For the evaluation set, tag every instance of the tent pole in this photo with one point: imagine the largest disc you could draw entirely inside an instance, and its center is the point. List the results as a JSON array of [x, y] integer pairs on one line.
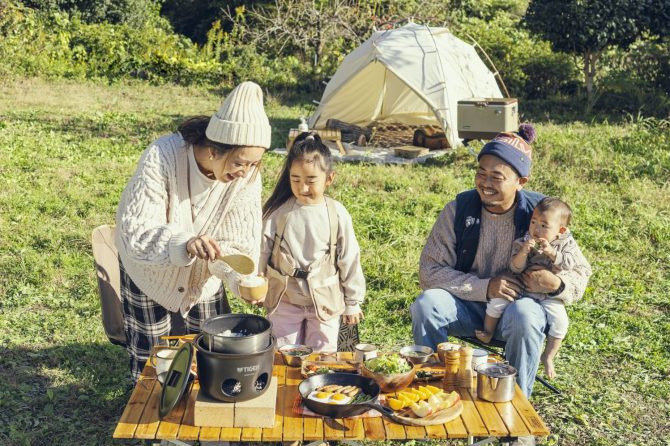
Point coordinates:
[[496, 72]]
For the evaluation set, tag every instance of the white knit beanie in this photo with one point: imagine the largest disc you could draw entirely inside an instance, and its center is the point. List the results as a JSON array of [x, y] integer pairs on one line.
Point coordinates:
[[241, 120]]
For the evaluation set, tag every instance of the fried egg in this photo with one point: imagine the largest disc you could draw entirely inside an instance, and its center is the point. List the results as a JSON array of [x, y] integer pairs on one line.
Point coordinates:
[[322, 397], [339, 398], [329, 397]]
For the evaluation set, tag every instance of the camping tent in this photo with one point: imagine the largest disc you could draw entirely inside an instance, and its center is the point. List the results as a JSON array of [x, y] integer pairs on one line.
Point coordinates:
[[413, 74]]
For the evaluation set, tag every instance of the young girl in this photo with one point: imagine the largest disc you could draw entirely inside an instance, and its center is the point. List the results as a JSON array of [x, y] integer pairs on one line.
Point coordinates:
[[310, 255]]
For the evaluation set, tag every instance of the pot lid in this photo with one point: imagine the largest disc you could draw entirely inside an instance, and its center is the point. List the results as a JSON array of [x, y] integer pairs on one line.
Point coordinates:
[[177, 379], [496, 369]]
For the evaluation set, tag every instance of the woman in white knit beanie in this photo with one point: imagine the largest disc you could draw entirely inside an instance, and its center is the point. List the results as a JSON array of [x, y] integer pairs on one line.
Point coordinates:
[[196, 193]]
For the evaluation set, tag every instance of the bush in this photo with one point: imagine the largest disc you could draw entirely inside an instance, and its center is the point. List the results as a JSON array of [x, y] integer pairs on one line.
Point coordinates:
[[134, 13], [636, 80], [527, 65]]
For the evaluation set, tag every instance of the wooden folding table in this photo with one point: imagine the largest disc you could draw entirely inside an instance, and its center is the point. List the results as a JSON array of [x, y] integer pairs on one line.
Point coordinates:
[[480, 420]]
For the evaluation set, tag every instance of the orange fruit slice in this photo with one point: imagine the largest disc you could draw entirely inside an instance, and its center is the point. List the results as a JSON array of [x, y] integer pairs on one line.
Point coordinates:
[[434, 390], [395, 404], [413, 397]]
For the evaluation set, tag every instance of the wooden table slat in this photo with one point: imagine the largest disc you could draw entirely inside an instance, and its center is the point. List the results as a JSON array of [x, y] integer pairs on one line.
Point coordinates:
[[252, 434], [148, 424], [489, 414], [229, 433], [210, 433], [332, 428], [188, 431], [133, 411], [356, 429], [374, 429], [511, 418], [169, 426], [415, 432], [275, 433], [312, 428], [528, 414], [436, 431], [473, 422], [292, 422]]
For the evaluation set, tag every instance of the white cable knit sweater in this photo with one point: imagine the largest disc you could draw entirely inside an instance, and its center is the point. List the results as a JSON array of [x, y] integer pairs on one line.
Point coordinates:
[[154, 224]]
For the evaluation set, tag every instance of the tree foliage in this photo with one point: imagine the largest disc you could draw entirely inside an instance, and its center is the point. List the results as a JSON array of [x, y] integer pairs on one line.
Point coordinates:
[[133, 13], [587, 28]]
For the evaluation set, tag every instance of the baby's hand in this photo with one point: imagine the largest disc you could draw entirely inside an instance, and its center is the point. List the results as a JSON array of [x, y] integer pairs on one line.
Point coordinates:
[[546, 249], [528, 245]]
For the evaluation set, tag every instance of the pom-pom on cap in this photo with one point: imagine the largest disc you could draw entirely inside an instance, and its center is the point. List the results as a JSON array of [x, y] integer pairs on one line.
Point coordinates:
[[513, 148]]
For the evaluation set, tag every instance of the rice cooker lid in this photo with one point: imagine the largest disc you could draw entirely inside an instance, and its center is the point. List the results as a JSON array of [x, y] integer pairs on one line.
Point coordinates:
[[177, 379]]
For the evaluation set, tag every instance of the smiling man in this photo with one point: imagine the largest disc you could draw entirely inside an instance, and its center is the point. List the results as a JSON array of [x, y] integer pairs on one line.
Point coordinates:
[[466, 258]]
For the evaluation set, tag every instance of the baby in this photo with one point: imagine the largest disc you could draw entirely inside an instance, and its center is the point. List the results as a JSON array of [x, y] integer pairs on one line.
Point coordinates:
[[547, 243]]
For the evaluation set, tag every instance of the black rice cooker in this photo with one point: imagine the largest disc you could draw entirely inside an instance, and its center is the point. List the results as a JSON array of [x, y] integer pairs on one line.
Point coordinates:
[[235, 355], [232, 377]]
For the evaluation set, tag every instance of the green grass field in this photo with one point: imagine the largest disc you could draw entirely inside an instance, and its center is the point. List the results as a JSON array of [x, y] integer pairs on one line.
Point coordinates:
[[67, 150]]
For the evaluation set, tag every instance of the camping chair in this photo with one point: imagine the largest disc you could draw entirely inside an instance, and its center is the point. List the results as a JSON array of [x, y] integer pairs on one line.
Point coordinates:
[[498, 347], [107, 269]]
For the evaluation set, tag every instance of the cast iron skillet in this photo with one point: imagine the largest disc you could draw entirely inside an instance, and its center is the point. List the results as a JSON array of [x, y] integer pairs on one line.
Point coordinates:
[[369, 386]]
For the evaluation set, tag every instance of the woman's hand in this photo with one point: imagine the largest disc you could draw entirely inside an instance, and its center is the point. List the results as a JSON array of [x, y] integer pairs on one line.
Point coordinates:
[[203, 247], [353, 319], [536, 279]]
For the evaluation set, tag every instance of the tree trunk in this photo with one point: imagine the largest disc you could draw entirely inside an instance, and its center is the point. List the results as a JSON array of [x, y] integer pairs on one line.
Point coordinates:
[[590, 59]]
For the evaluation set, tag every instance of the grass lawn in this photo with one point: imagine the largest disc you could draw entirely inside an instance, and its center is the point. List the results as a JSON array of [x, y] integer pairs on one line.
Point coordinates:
[[67, 150]]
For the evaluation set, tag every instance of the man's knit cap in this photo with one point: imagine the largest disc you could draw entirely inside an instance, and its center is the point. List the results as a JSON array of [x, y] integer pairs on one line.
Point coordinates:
[[513, 148], [241, 120]]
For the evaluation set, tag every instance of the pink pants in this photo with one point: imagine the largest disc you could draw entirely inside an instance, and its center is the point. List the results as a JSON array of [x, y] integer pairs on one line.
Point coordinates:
[[293, 324]]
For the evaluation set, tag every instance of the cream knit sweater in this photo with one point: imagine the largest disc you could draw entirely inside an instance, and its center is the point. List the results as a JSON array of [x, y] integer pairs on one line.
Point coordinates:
[[154, 223]]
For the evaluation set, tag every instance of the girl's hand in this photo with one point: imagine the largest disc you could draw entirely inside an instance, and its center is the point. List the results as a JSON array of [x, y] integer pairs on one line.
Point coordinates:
[[353, 319], [203, 247]]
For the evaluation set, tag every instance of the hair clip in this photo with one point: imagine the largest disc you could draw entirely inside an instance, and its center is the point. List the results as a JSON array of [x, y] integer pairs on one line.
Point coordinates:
[[309, 138]]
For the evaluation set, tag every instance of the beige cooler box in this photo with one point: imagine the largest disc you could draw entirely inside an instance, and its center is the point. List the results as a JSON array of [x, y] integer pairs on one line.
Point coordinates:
[[484, 118]]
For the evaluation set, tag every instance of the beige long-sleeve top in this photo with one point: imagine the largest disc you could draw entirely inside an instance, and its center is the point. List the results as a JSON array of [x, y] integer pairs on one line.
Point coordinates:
[[306, 239], [154, 222], [496, 236]]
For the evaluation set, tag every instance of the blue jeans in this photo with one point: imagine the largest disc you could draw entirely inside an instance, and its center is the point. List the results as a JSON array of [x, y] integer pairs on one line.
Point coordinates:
[[436, 313]]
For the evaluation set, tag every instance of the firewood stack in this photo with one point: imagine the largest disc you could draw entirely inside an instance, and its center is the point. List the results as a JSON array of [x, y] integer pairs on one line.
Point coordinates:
[[350, 132]]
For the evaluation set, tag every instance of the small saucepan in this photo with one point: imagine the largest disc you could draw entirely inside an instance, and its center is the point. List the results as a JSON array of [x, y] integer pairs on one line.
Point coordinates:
[[367, 385]]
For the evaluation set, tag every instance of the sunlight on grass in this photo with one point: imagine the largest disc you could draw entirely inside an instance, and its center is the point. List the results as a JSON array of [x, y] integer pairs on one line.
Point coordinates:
[[69, 148]]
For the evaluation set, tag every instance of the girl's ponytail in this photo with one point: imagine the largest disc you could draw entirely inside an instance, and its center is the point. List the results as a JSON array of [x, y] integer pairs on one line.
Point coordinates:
[[306, 143]]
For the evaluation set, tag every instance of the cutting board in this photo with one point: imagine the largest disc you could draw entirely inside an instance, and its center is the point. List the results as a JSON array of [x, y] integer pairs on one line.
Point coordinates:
[[439, 417]]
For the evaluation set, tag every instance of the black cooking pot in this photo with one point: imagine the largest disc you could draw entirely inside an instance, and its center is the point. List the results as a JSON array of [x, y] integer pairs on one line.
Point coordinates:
[[234, 377], [367, 385], [237, 333]]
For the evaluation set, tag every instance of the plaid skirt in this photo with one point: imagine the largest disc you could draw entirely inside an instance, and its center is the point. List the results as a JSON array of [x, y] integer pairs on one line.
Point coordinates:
[[145, 321]]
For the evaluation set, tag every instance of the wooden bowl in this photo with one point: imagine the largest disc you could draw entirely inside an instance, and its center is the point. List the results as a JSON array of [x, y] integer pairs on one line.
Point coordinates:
[[390, 383], [256, 293], [443, 347]]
